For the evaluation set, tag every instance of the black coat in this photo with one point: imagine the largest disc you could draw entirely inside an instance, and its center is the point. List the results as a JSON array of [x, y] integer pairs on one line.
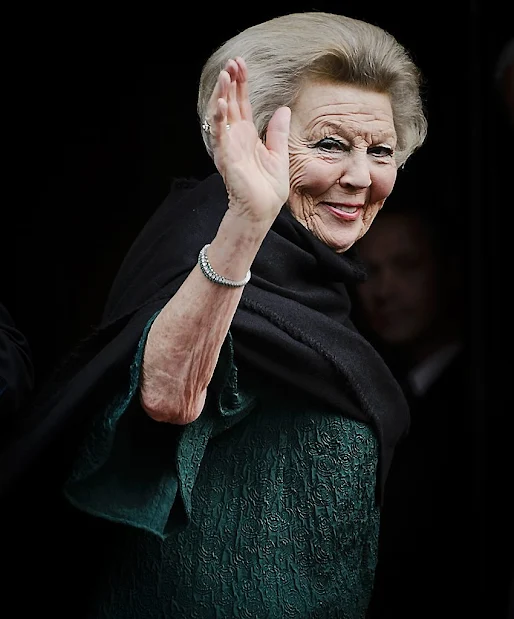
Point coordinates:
[[293, 322]]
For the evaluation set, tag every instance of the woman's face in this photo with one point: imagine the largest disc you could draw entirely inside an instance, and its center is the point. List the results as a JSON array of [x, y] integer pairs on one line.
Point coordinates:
[[342, 165]]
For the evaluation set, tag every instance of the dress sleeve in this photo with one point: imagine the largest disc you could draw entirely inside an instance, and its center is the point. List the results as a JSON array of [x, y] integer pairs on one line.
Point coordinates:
[[131, 469]]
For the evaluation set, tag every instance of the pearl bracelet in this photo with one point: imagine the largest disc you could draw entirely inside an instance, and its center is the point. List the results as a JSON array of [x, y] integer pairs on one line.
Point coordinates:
[[211, 274]]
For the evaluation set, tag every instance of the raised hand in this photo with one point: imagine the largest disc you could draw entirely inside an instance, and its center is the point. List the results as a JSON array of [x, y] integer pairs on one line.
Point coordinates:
[[256, 173]]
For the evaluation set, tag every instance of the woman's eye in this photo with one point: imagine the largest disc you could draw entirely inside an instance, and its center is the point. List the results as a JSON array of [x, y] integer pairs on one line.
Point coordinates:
[[330, 144], [381, 151]]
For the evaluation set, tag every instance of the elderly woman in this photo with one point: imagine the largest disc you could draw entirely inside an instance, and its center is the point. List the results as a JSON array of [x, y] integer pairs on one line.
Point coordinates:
[[239, 428]]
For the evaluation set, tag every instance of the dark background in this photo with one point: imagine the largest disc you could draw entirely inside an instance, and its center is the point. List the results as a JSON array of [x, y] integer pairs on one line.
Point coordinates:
[[101, 114]]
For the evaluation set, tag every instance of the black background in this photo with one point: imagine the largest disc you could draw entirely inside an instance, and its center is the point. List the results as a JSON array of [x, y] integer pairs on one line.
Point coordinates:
[[101, 114]]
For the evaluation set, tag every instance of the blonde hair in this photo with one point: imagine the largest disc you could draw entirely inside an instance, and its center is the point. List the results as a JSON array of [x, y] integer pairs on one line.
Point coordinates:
[[284, 52]]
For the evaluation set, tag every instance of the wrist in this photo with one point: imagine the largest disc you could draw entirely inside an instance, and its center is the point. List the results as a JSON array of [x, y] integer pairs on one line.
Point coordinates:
[[233, 249], [213, 276], [237, 227]]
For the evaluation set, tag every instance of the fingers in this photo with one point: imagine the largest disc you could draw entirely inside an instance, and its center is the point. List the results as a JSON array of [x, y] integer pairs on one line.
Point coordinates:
[[217, 109], [239, 102], [229, 101], [219, 119], [277, 134], [233, 112], [242, 89]]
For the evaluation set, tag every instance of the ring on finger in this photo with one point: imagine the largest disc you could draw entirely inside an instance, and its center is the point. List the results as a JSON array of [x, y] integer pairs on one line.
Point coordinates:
[[206, 127]]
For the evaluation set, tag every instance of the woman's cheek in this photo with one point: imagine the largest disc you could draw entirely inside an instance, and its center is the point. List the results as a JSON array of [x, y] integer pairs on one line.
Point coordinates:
[[383, 183], [308, 176], [295, 173]]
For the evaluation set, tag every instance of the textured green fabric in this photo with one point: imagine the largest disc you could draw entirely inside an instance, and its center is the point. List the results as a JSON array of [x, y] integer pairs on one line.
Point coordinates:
[[264, 507]]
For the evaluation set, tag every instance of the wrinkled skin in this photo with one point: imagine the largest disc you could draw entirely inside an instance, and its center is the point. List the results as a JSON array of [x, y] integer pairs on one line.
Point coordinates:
[[341, 146], [256, 173], [330, 157], [333, 150]]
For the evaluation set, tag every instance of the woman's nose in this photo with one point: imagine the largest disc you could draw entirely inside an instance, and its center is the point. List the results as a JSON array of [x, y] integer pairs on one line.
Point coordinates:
[[355, 172]]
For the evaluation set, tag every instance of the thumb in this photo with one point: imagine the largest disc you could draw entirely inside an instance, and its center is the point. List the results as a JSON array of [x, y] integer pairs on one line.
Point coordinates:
[[277, 133]]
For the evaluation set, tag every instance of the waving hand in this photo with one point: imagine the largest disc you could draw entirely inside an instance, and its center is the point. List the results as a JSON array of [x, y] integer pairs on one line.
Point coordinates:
[[256, 172]]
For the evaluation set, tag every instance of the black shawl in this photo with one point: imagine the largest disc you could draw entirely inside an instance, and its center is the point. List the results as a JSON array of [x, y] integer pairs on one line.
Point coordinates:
[[292, 323]]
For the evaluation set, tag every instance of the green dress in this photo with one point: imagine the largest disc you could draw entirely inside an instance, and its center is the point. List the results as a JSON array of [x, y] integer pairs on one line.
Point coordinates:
[[263, 507]]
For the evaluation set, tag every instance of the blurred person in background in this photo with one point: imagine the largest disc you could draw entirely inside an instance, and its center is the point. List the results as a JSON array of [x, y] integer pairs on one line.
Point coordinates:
[[412, 307]]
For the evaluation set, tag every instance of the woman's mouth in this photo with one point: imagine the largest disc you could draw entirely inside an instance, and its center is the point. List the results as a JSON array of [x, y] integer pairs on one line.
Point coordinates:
[[347, 212]]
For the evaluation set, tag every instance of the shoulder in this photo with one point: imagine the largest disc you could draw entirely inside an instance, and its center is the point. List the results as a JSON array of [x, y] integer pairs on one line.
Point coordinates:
[[167, 246]]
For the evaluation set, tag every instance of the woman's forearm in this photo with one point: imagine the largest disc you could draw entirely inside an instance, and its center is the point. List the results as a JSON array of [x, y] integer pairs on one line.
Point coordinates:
[[185, 339]]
